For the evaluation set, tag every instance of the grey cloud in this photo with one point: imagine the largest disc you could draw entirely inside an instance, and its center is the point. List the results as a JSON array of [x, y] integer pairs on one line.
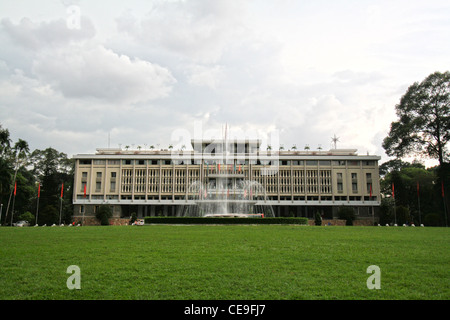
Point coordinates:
[[197, 30], [99, 73], [40, 35]]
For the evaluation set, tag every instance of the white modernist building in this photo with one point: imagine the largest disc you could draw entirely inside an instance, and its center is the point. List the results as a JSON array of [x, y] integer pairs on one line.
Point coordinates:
[[280, 183]]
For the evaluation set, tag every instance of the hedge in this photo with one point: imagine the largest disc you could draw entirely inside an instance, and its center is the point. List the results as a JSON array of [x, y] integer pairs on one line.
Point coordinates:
[[219, 220]]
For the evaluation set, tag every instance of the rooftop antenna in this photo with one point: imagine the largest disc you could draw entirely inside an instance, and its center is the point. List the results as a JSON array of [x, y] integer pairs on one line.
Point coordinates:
[[335, 140]]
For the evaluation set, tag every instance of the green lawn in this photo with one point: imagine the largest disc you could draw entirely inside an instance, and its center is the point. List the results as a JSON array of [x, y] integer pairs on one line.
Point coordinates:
[[231, 262]]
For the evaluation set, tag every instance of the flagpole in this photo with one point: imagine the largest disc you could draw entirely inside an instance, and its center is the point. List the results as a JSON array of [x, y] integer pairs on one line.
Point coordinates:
[[395, 210], [10, 194], [37, 205], [37, 210], [60, 210], [418, 200], [14, 201], [443, 200], [60, 205]]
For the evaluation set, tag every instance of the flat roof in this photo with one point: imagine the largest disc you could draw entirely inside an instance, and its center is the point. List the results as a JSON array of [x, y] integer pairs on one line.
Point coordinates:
[[333, 154]]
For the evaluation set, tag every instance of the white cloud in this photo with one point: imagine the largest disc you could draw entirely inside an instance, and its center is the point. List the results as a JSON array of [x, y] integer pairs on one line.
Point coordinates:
[[196, 30], [199, 75], [96, 72]]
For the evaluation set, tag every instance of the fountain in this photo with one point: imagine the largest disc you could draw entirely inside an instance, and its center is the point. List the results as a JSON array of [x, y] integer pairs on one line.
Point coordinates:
[[227, 196], [224, 191]]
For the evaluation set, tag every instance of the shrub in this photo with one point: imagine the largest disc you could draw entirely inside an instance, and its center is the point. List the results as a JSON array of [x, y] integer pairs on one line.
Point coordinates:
[[27, 216], [317, 219], [103, 214], [432, 219], [403, 215], [347, 214], [218, 220]]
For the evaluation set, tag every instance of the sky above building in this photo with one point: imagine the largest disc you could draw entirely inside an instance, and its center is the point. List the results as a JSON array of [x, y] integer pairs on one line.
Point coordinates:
[[79, 75]]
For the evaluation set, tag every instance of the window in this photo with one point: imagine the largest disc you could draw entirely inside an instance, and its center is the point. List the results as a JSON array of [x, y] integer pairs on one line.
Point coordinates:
[[340, 184], [127, 161], [354, 182], [113, 186], [98, 186], [113, 174]]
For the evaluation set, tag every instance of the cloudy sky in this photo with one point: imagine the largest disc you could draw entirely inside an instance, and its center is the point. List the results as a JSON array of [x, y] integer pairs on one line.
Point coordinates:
[[78, 75]]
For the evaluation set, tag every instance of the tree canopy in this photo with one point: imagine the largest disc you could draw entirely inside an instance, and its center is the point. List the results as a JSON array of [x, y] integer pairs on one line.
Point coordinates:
[[49, 168], [423, 124]]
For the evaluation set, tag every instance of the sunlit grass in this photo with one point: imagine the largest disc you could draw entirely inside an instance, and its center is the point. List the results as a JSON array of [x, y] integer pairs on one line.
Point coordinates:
[[224, 262]]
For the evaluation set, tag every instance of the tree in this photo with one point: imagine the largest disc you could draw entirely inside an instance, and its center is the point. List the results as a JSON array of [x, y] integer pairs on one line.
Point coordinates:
[[5, 141], [48, 215], [416, 188], [424, 120], [52, 168]]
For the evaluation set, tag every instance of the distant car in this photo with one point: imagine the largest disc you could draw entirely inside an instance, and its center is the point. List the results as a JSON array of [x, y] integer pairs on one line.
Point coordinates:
[[139, 222], [21, 224]]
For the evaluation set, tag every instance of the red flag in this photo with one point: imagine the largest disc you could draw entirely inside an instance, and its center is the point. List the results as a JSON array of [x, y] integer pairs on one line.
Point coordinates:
[[418, 189], [62, 189], [85, 190], [39, 191], [393, 193], [15, 188], [442, 187]]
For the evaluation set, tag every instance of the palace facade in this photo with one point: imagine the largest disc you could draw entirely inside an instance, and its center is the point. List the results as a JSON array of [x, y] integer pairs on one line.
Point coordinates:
[[159, 182]]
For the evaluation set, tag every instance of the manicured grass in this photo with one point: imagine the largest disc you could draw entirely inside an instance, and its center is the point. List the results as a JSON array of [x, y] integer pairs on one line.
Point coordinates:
[[224, 262]]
